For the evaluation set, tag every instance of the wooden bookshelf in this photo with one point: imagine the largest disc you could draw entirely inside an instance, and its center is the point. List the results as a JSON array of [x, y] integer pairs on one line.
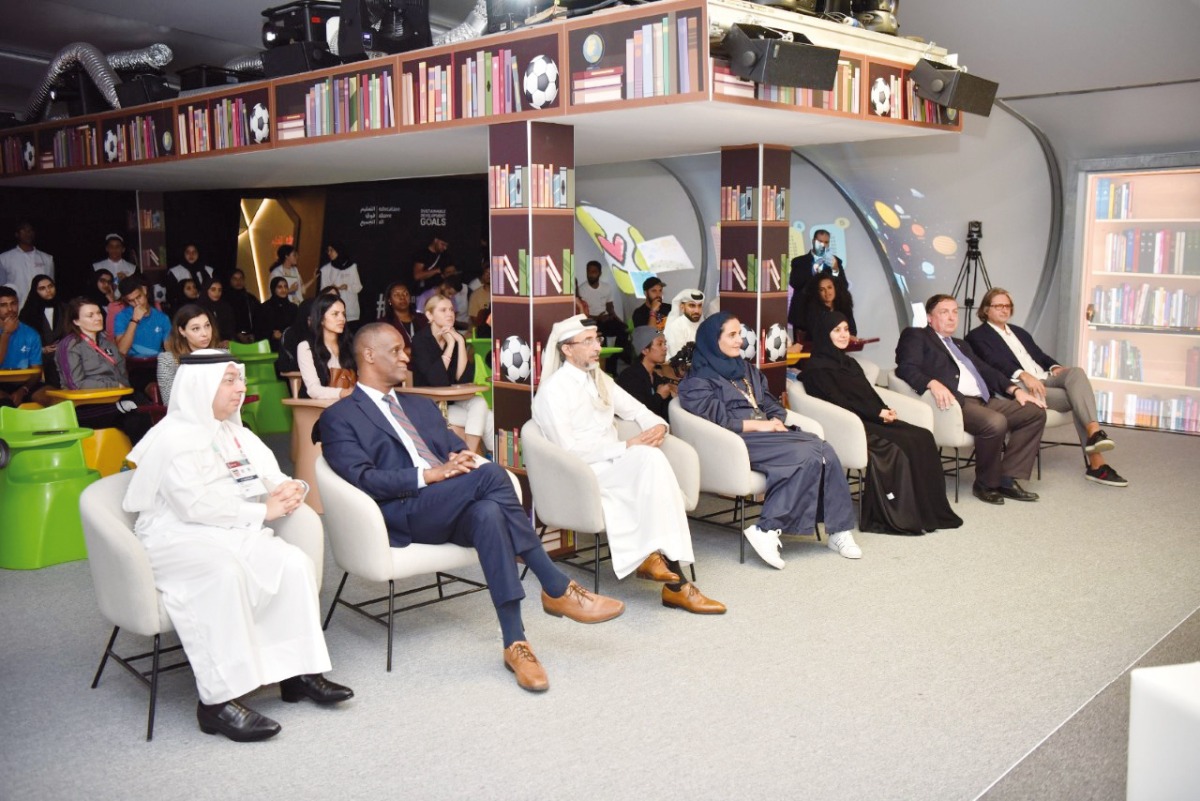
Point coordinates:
[[1139, 314], [226, 121], [144, 133], [359, 98]]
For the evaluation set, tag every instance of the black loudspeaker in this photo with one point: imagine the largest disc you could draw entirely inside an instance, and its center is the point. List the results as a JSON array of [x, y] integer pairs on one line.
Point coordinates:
[[761, 54], [954, 88], [297, 57], [844, 7], [799, 6], [145, 88]]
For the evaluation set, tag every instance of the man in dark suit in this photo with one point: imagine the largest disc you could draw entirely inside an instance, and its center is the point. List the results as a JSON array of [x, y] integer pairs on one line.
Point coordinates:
[[992, 405], [817, 261], [431, 489], [1012, 351]]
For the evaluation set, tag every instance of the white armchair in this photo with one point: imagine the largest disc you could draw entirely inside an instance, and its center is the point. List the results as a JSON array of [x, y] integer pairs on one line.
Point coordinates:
[[124, 583], [948, 430], [566, 493], [359, 539], [725, 462]]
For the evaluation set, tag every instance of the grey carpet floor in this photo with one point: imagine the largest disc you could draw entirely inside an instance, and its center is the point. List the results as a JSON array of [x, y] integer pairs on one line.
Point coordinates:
[[926, 670]]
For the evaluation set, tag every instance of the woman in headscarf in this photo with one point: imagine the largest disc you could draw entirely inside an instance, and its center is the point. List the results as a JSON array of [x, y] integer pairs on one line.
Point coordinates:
[[244, 305], [341, 271], [906, 488], [43, 313], [803, 473], [243, 602], [191, 268], [221, 312], [276, 314]]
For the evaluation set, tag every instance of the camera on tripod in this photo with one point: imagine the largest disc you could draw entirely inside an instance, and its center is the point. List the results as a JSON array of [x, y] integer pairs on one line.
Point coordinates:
[[971, 270], [974, 234]]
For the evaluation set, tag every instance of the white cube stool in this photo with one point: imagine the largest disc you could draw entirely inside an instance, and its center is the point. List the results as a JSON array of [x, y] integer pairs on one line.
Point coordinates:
[[1164, 733]]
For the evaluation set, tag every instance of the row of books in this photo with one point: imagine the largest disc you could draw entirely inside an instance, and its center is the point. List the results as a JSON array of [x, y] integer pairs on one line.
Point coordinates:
[[1162, 251], [347, 104], [490, 84], [192, 124], [543, 275], [742, 203], [540, 186], [726, 83], [661, 61], [736, 278], [845, 96], [598, 86], [134, 140], [1127, 305], [12, 155], [426, 96], [1181, 413], [508, 448], [1116, 358], [1114, 201], [150, 219], [918, 109], [72, 147], [231, 123]]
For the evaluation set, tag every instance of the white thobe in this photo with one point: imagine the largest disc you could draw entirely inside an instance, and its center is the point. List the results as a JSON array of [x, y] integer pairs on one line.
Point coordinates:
[[643, 505], [18, 267], [244, 603], [348, 277], [679, 332]]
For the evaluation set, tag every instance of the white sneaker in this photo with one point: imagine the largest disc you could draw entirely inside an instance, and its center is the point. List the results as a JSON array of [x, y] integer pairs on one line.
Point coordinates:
[[843, 542], [766, 544]]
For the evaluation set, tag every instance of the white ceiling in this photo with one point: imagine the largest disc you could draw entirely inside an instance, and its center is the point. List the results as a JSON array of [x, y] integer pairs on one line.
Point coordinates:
[[1102, 79]]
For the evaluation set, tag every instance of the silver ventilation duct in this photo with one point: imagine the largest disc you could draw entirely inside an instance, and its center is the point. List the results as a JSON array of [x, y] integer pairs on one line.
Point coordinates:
[[470, 28], [154, 57], [246, 65], [76, 54]]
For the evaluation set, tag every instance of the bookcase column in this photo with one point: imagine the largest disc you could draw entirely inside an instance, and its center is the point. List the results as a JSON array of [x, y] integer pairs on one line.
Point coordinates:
[[755, 204], [532, 216]]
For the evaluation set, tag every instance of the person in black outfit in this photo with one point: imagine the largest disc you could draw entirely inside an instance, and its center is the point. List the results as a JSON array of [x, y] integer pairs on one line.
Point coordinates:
[[654, 311], [43, 313], [818, 261], [641, 380], [906, 488], [276, 314], [213, 302], [821, 297], [245, 306], [430, 266]]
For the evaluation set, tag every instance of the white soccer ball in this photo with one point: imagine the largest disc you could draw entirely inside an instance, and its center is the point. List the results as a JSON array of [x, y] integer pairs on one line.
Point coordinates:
[[110, 145], [516, 360], [777, 342], [541, 81], [30, 155], [749, 343], [260, 123]]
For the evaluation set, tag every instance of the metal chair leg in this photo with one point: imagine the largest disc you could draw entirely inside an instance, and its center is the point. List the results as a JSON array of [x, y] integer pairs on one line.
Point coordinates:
[[596, 564], [391, 611], [153, 690], [334, 604], [956, 469], [104, 659], [740, 505]]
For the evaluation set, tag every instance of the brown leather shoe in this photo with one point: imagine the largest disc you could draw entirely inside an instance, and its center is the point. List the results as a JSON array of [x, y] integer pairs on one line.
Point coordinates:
[[690, 599], [582, 606], [655, 569], [530, 674]]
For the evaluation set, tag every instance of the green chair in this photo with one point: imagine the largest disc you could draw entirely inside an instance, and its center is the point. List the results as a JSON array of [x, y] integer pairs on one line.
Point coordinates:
[[267, 415], [483, 377], [40, 487]]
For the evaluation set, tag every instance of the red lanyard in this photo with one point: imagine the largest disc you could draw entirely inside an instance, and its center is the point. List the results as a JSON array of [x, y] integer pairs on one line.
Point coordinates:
[[100, 350]]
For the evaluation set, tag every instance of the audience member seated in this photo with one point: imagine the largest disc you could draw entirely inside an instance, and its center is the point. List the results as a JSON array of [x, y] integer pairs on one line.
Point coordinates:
[[243, 602], [191, 330], [906, 489], [806, 484], [994, 408], [140, 329], [88, 359], [244, 305], [326, 358], [479, 305], [818, 261], [644, 514], [103, 293], [684, 318], [821, 297], [653, 311], [189, 291], [401, 315], [189, 268], [299, 331], [642, 379], [432, 489], [285, 267], [440, 357], [20, 349], [1012, 351], [276, 314], [220, 311], [43, 313]]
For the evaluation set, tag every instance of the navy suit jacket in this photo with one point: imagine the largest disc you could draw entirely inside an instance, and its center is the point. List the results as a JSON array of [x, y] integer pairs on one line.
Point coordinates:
[[921, 357], [992, 348], [362, 447]]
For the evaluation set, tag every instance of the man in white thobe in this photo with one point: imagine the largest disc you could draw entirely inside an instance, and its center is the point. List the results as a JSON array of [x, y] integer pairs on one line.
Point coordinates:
[[19, 265], [687, 309], [643, 507]]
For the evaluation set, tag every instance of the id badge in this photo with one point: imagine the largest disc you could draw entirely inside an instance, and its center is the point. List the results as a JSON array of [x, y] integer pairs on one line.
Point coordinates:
[[758, 414], [248, 484]]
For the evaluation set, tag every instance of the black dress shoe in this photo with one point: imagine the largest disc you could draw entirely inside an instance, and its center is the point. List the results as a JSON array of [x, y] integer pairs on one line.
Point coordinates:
[[314, 686], [987, 495], [1017, 493], [236, 721]]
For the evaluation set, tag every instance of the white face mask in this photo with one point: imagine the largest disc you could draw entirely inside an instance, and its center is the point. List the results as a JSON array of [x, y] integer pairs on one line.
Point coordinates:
[[818, 248]]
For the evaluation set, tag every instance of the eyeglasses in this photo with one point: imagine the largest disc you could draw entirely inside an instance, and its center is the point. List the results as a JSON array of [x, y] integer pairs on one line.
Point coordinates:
[[1007, 306]]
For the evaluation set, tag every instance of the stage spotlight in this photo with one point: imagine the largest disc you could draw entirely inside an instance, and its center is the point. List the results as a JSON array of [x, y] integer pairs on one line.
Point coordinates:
[[781, 58], [953, 88], [299, 21]]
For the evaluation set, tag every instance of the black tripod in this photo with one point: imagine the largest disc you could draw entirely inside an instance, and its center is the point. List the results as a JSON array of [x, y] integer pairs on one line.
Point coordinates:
[[969, 273]]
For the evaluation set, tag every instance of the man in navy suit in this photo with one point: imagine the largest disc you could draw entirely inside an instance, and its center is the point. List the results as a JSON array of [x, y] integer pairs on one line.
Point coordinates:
[[1012, 351], [993, 407], [431, 489]]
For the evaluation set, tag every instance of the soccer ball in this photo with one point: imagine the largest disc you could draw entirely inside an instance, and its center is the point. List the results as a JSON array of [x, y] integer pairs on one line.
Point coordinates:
[[260, 123], [541, 81], [749, 343], [110, 145], [30, 155], [777, 342], [516, 360]]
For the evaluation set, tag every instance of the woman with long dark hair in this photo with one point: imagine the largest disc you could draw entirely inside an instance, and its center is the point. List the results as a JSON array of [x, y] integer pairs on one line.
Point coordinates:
[[276, 314], [326, 358], [192, 329], [42, 312], [823, 295]]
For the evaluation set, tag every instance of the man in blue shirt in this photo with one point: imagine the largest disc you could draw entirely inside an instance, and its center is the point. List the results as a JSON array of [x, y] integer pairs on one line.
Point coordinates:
[[20, 349], [140, 329]]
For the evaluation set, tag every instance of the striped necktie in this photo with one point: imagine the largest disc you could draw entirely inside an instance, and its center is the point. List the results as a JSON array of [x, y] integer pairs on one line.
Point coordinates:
[[962, 357], [406, 424]]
